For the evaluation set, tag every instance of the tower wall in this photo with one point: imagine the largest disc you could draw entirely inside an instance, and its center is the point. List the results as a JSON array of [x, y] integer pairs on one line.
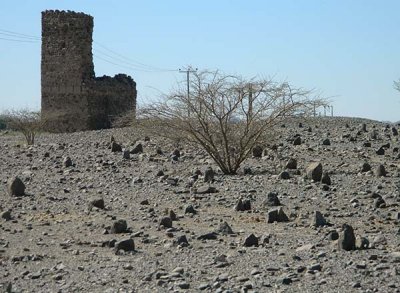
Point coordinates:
[[73, 99]]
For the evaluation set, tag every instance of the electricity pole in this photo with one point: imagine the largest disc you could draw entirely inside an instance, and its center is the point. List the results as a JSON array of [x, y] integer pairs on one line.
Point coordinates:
[[188, 71]]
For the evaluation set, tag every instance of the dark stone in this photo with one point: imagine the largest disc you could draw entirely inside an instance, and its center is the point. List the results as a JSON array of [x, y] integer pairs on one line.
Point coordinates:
[[145, 202], [182, 240], [119, 226], [394, 131], [247, 171], [166, 222], [297, 140], [284, 175], [15, 187], [67, 162], [224, 229], [380, 151], [380, 171], [318, 220], [314, 171], [251, 240], [190, 210], [347, 240], [126, 155], [243, 205], [176, 153], [333, 235], [97, 203], [208, 236], [257, 151], [125, 245], [326, 179], [365, 167], [291, 164], [6, 215], [326, 141], [115, 147], [137, 149], [209, 175], [363, 127], [379, 202], [272, 200], [172, 215], [367, 144], [277, 215]]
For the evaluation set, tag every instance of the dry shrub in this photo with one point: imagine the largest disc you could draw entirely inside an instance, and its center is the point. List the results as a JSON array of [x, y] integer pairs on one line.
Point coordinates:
[[226, 115]]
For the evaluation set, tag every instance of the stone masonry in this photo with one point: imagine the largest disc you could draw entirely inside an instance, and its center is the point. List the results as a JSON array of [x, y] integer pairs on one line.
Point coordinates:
[[73, 99]]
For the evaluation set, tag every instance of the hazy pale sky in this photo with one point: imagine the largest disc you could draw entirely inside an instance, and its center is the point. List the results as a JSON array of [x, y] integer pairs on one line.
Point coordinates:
[[347, 49]]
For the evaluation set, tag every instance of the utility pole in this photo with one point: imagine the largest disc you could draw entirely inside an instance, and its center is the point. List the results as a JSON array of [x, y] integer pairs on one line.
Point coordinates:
[[188, 71], [331, 110]]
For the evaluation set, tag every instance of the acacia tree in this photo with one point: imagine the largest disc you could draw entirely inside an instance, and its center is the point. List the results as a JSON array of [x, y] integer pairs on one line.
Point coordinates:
[[396, 85], [28, 122], [226, 115]]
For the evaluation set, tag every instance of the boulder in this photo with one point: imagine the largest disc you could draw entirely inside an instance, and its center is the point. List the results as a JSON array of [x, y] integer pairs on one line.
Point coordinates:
[[15, 187], [347, 240], [277, 215], [314, 171]]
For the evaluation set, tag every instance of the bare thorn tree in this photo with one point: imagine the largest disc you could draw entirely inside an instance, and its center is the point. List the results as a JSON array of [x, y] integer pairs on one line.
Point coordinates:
[[226, 115], [396, 85], [28, 122]]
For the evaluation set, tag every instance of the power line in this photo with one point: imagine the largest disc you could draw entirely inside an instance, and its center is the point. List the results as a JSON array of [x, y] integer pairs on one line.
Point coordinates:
[[20, 41], [112, 56], [149, 67], [122, 65], [19, 35], [120, 61]]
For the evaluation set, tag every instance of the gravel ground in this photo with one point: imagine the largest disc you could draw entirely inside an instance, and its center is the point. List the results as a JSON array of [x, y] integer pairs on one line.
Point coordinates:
[[156, 222]]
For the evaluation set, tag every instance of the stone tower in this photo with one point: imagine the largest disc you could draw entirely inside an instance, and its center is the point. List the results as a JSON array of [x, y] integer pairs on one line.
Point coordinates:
[[73, 99]]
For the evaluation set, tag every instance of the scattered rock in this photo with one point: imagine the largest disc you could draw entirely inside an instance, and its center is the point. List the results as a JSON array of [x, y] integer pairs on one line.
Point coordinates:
[[115, 147], [206, 189], [326, 141], [137, 149], [318, 220], [6, 215], [166, 222], [291, 164], [314, 171], [119, 226], [67, 162], [365, 167], [277, 215], [97, 203], [251, 240], [272, 200], [15, 187], [257, 151], [190, 210], [209, 175], [326, 179], [243, 205], [380, 171], [297, 140], [224, 229], [125, 245], [284, 175], [347, 240]]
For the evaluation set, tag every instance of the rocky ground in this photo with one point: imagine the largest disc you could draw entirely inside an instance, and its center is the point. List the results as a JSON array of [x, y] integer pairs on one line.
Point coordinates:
[[143, 220]]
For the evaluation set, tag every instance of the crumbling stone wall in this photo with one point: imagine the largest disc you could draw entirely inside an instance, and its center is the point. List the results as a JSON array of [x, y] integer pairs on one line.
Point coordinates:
[[73, 99]]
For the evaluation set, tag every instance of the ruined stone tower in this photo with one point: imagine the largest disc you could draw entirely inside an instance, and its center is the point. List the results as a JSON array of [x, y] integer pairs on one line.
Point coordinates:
[[73, 99]]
